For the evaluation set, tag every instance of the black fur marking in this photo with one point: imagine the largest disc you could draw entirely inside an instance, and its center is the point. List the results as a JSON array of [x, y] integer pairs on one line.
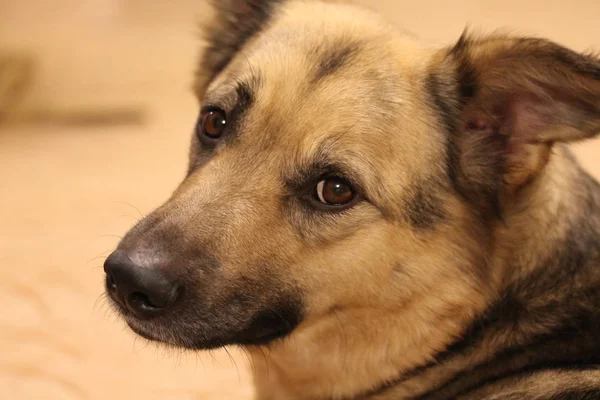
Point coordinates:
[[245, 93], [334, 58], [450, 89], [271, 324], [248, 316], [565, 351], [236, 22], [442, 95], [466, 73], [444, 100], [424, 210], [467, 80], [578, 395], [245, 99]]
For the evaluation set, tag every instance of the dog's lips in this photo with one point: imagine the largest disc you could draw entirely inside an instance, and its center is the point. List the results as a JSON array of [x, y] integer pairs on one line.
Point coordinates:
[[259, 332], [141, 332], [148, 330]]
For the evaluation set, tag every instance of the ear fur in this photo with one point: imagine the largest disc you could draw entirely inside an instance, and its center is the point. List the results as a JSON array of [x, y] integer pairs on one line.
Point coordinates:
[[532, 90], [505, 102], [233, 24]]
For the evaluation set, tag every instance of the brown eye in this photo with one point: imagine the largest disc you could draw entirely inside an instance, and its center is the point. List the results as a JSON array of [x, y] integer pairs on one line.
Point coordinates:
[[213, 123], [334, 192]]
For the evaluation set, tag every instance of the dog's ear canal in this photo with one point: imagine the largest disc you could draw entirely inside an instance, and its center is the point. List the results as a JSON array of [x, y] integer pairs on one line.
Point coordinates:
[[505, 102], [230, 25]]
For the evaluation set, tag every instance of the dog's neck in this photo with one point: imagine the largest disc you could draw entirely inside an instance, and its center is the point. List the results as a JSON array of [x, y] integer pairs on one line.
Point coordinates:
[[550, 235]]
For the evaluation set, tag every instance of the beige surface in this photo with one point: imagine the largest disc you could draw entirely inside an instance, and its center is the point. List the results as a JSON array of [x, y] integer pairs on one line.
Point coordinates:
[[66, 191]]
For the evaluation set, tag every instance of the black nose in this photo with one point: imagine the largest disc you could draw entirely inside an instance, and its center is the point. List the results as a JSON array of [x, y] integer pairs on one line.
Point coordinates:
[[145, 290]]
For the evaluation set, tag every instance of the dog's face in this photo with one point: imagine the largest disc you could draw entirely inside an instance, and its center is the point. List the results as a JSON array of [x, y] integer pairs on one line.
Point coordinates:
[[338, 166]]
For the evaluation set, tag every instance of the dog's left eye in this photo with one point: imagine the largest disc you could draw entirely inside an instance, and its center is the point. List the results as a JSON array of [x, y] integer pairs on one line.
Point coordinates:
[[334, 192], [212, 124]]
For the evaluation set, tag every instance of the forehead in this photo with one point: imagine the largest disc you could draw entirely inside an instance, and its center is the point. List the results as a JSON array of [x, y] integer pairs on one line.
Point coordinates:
[[313, 79], [328, 84]]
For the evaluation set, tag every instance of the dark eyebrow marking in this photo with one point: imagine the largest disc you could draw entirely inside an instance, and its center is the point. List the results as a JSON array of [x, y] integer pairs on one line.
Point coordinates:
[[334, 58], [237, 95], [424, 208], [245, 97], [234, 24]]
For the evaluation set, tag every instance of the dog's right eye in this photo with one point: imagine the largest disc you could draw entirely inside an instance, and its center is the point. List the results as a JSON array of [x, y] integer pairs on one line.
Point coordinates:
[[334, 192], [212, 124]]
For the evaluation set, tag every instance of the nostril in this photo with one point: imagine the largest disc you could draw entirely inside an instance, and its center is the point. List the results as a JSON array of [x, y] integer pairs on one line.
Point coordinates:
[[111, 283], [140, 301]]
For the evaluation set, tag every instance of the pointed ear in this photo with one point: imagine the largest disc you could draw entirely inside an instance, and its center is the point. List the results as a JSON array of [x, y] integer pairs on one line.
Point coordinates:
[[532, 90], [232, 25], [506, 101]]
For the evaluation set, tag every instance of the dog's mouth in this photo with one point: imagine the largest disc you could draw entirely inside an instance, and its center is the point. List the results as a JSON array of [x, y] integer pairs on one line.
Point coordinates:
[[197, 343], [251, 336], [203, 333]]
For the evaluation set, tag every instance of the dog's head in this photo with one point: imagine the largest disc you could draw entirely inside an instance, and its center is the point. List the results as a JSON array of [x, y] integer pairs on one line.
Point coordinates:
[[340, 168]]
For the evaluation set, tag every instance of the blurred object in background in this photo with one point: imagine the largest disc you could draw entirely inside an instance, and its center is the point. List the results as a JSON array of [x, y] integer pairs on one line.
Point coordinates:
[[16, 75]]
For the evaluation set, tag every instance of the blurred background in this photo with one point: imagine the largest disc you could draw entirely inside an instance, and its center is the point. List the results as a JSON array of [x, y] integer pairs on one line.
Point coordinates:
[[95, 119]]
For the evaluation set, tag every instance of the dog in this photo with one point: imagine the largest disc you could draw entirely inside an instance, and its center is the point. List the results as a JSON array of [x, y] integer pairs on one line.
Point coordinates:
[[373, 218]]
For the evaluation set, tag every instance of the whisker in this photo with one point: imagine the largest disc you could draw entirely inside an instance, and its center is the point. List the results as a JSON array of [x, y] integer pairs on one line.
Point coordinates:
[[265, 358], [235, 364], [103, 255], [132, 206], [115, 236], [102, 300], [250, 360]]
